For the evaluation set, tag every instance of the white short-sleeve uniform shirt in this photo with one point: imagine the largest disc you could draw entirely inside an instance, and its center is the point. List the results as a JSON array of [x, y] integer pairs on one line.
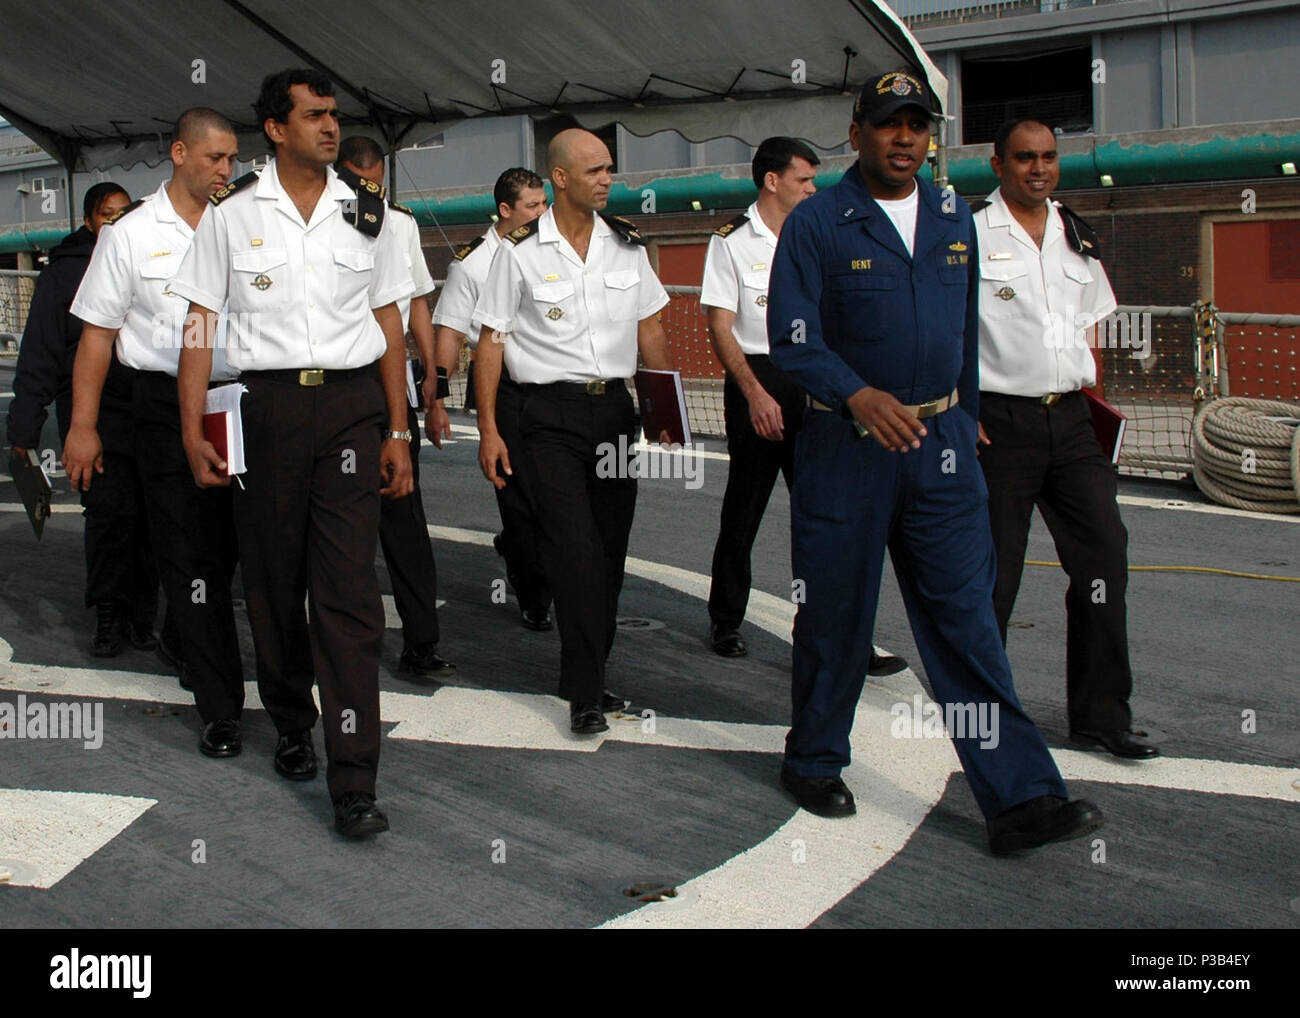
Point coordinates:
[[465, 278], [300, 294], [408, 231], [736, 270], [1035, 306], [125, 288], [568, 320]]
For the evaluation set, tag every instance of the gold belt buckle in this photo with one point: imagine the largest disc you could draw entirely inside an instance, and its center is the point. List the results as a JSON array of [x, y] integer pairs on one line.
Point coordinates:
[[312, 376], [1051, 399], [928, 409], [596, 388]]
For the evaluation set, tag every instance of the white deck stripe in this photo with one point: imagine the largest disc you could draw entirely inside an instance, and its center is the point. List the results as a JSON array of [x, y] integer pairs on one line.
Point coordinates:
[[808, 864]]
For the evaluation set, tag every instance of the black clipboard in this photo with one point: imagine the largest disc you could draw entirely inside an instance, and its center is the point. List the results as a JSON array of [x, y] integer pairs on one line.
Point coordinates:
[[33, 487]]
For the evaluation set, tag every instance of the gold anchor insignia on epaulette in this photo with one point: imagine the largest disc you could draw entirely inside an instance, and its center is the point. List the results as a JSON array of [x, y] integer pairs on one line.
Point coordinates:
[[761, 300], [261, 281], [1006, 293], [370, 217], [555, 314]]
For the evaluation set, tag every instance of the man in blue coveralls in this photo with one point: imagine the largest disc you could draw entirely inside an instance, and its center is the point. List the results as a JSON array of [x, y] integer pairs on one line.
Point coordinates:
[[872, 309]]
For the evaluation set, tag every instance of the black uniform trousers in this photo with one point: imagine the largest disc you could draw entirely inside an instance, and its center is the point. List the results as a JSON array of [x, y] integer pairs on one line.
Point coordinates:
[[119, 559], [408, 553], [308, 522], [1050, 457], [755, 463], [585, 518], [520, 536], [194, 544]]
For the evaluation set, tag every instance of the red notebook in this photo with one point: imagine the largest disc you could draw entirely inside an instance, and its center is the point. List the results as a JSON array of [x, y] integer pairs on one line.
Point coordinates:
[[1108, 424], [663, 406], [224, 427]]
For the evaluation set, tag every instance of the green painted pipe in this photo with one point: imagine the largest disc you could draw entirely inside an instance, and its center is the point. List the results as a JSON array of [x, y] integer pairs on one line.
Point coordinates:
[[1130, 164], [13, 239]]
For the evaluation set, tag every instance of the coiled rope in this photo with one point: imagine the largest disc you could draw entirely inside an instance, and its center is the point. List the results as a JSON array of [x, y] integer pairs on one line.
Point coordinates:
[[1241, 459]]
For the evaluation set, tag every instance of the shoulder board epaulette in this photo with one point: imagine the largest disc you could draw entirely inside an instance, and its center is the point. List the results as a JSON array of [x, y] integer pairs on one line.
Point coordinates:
[[367, 215], [464, 252], [1079, 233], [727, 228], [518, 234], [979, 204], [121, 212], [233, 187], [625, 229], [400, 208]]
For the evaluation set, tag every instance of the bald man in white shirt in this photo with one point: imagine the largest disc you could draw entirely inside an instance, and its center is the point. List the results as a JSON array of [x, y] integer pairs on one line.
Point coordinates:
[[570, 299], [127, 305]]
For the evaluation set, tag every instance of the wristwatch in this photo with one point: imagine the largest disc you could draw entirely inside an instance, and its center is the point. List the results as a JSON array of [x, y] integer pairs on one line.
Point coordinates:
[[405, 436]]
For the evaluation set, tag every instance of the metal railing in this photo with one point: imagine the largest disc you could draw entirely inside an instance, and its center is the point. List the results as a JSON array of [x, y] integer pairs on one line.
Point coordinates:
[[16, 287], [1158, 365]]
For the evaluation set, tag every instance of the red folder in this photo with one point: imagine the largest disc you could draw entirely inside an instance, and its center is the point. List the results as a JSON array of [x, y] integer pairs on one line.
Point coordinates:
[[1108, 424], [663, 406], [218, 428], [223, 426]]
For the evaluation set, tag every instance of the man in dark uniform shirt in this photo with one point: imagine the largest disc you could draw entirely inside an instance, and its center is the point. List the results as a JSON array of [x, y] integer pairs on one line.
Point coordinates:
[[121, 581], [872, 310]]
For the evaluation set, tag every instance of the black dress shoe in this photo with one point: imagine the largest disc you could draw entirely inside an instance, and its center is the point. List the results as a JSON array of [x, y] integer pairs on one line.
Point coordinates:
[[425, 662], [357, 816], [536, 619], [295, 757], [220, 739], [825, 796], [885, 664], [107, 641], [1038, 821], [611, 703], [726, 642], [586, 719], [1117, 742], [141, 635]]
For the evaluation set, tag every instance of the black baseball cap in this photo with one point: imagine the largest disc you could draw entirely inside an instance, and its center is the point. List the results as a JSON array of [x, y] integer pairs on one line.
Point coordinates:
[[885, 93]]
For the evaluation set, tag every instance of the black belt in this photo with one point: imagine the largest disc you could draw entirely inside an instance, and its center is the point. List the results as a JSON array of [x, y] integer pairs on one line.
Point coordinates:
[[312, 377], [1047, 399], [596, 387]]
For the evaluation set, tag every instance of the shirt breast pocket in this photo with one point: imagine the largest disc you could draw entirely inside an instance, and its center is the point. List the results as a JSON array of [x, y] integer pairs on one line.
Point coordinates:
[[753, 290], [156, 272], [621, 293], [1004, 289], [865, 306], [260, 279], [553, 300], [1077, 270], [352, 272]]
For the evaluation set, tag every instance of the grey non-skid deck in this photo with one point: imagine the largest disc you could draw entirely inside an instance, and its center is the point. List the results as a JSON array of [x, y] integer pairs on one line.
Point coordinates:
[[529, 827]]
